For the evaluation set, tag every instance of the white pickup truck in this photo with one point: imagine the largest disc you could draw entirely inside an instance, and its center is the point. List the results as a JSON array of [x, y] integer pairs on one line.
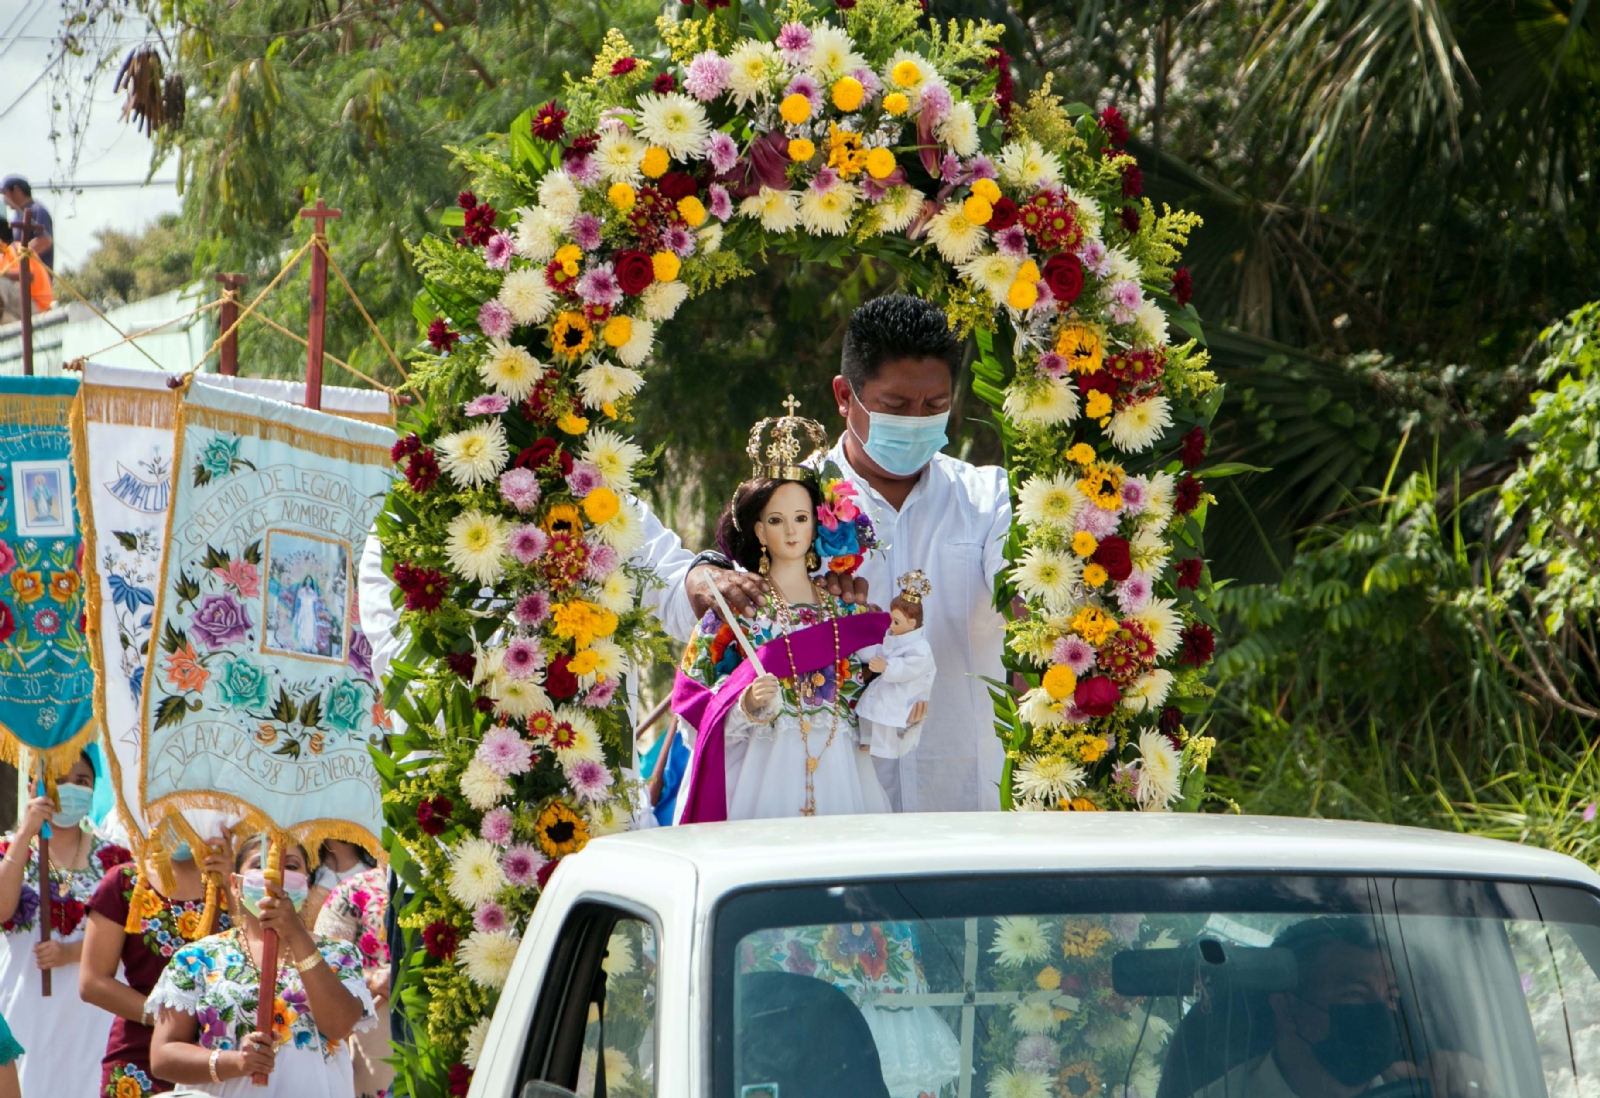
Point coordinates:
[[1032, 955]]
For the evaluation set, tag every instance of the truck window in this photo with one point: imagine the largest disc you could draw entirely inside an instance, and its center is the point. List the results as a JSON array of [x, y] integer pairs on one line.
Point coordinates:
[[594, 1029]]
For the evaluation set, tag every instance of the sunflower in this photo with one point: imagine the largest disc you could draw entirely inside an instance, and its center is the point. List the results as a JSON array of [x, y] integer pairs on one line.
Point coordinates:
[[563, 518], [571, 335], [560, 831], [1102, 483], [1080, 344], [1083, 938], [1080, 804], [1078, 1080]]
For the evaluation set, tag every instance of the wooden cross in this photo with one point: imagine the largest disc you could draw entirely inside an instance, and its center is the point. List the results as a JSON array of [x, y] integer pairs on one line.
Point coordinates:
[[319, 213], [319, 302], [791, 405]]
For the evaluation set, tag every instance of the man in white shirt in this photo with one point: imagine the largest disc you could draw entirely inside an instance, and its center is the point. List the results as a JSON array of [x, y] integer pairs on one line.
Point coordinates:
[[934, 513]]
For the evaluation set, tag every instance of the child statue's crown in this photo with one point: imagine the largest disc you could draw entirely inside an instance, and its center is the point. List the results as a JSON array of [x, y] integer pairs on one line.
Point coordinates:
[[913, 586], [775, 445]]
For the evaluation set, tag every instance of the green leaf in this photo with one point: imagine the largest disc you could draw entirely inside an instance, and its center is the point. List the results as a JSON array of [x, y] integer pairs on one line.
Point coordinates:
[[311, 711], [126, 539], [1228, 469], [172, 639], [252, 553], [172, 710], [283, 710], [215, 558]]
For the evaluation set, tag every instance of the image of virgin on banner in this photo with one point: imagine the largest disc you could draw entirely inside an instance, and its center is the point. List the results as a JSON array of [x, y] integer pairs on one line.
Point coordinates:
[[46, 682]]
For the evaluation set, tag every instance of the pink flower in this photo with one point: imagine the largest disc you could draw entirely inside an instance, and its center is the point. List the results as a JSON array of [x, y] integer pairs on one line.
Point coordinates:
[[1100, 523], [494, 319], [372, 948], [1133, 593], [934, 105], [827, 516], [521, 865], [589, 779], [520, 488], [1074, 652], [505, 752], [1135, 495], [240, 574], [586, 231], [1124, 298], [584, 478], [583, 170], [869, 81], [1094, 258], [489, 918], [794, 42], [721, 206], [707, 78], [679, 241], [497, 253], [600, 696], [1053, 365], [496, 827], [846, 510], [598, 286], [528, 543], [603, 560], [8, 559], [825, 181], [806, 86], [489, 404], [1011, 241], [981, 167], [722, 152], [523, 658], [532, 609]]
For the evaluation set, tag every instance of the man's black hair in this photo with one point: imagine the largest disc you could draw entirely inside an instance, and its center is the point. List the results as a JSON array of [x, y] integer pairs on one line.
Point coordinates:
[[6, 236], [894, 327], [18, 182], [1307, 939]]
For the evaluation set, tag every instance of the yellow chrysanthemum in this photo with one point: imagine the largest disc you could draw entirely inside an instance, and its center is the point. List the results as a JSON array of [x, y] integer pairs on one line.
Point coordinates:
[[795, 109], [848, 93], [1094, 575], [986, 189], [621, 196], [896, 103], [1081, 454], [1084, 544], [666, 267], [693, 212], [1023, 294], [801, 149], [906, 74], [1098, 405], [601, 505], [573, 424], [618, 330], [655, 162], [1060, 681], [1049, 978], [584, 663], [1083, 938], [977, 209], [1093, 624], [880, 163]]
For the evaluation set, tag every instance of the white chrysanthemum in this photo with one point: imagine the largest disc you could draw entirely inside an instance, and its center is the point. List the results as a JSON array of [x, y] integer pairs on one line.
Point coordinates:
[[1151, 320], [1088, 215], [585, 737], [1048, 501], [487, 957], [486, 664], [992, 272], [475, 545], [619, 956], [1048, 778], [957, 239], [921, 68], [527, 296], [1163, 486], [1120, 266], [676, 123], [474, 456], [1163, 623], [475, 876], [1160, 771], [625, 531], [614, 456], [475, 1038], [833, 54], [482, 787], [1043, 401], [605, 819], [710, 238], [616, 592], [1040, 710], [1148, 548], [753, 66], [959, 129], [1148, 691], [536, 234], [1020, 940], [1034, 1015], [1047, 575], [609, 656], [641, 337], [618, 155], [661, 299], [604, 383], [1137, 427], [898, 208], [828, 212], [778, 211], [558, 197], [1018, 1084], [510, 370], [518, 697], [1026, 166]]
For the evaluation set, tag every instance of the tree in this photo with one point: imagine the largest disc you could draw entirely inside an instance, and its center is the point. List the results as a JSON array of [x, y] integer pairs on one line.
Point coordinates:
[[128, 267]]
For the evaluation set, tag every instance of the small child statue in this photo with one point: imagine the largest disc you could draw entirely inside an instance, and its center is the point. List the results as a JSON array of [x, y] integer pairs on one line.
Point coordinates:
[[904, 668]]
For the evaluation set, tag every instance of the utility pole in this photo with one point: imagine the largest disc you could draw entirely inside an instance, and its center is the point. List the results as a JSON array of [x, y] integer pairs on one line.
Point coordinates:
[[25, 270]]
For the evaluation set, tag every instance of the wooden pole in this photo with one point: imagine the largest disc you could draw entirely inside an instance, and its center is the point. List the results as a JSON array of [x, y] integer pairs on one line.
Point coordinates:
[[25, 271], [319, 302], [267, 997], [44, 869], [227, 317]]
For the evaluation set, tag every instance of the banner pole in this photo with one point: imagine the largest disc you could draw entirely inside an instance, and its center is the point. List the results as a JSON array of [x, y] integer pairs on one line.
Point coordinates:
[[319, 301], [267, 997]]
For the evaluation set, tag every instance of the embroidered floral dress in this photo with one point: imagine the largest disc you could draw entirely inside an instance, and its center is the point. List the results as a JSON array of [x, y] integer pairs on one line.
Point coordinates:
[[354, 913], [767, 762], [165, 926], [215, 981], [55, 1031], [870, 962]]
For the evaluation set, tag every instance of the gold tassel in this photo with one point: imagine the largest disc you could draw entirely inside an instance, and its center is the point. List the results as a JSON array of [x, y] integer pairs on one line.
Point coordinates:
[[208, 917], [163, 862], [135, 905]]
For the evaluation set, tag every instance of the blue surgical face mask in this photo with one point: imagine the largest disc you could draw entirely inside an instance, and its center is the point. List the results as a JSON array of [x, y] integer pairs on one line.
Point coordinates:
[[75, 801], [182, 852], [253, 889], [902, 445]]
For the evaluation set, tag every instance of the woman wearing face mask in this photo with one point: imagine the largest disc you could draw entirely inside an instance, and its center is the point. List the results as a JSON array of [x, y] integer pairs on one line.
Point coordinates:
[[340, 862], [160, 926], [205, 1001], [55, 1029], [355, 913]]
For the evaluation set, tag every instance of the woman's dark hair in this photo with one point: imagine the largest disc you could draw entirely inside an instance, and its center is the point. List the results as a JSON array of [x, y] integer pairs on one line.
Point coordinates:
[[740, 544], [242, 853]]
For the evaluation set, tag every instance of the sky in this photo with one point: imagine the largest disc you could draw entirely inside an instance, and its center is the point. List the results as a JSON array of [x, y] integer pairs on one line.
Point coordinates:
[[113, 151]]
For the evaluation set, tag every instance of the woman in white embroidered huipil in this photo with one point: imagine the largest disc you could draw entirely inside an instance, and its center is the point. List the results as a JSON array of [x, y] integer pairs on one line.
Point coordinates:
[[205, 1001]]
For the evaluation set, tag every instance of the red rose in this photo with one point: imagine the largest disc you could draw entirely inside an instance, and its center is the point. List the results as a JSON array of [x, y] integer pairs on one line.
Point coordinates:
[[559, 682], [1063, 273], [1170, 721], [1189, 569], [1194, 448], [439, 938], [65, 914], [1113, 555], [539, 456], [461, 1074], [634, 271], [1096, 696], [112, 856], [545, 871], [483, 704], [676, 185], [1188, 494], [8, 624], [1199, 642], [1182, 286], [1004, 216]]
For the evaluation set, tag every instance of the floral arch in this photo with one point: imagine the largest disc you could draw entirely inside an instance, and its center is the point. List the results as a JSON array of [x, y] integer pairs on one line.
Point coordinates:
[[863, 129]]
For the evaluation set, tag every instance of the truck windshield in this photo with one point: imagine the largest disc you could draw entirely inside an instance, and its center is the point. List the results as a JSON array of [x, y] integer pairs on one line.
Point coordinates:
[[1226, 986]]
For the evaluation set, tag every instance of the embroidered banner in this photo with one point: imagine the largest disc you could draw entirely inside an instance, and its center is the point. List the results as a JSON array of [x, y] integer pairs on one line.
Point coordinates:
[[257, 691], [122, 459], [46, 682]]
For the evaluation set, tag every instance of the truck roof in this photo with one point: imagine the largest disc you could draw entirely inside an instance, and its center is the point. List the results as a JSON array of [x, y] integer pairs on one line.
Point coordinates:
[[729, 856]]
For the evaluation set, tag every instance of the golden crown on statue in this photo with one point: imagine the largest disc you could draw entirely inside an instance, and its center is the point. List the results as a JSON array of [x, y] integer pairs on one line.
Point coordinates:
[[775, 445], [914, 586]]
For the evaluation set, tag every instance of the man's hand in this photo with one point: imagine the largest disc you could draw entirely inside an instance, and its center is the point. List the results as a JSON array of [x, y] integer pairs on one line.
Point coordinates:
[[851, 590], [743, 591]]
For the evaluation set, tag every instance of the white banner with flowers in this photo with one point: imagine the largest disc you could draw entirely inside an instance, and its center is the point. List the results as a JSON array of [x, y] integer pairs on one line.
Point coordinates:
[[258, 695]]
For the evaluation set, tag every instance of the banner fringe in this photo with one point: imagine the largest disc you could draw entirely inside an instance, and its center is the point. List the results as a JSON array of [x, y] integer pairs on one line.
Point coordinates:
[[309, 834], [28, 410], [274, 431], [58, 759], [128, 407]]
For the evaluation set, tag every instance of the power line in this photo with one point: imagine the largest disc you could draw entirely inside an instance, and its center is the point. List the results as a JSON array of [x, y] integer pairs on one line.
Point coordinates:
[[106, 185], [25, 18], [36, 82]]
